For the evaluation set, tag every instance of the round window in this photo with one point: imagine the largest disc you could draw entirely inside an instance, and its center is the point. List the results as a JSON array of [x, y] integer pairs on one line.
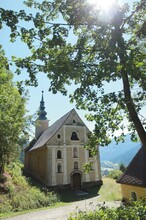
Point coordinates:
[[58, 136]]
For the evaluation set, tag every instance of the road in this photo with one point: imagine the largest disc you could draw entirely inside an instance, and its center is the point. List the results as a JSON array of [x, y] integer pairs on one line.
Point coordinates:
[[62, 213]]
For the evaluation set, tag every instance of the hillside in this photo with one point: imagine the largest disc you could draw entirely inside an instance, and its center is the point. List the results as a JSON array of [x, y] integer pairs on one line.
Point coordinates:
[[115, 154], [18, 193]]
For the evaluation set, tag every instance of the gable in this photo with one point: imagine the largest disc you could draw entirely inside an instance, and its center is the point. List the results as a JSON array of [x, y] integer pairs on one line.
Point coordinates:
[[74, 119], [135, 174], [69, 119]]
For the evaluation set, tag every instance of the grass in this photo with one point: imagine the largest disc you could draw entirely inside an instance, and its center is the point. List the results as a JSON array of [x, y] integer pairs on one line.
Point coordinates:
[[110, 191]]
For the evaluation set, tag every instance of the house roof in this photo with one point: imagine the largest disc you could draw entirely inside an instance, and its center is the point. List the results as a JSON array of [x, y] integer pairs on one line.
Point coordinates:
[[50, 132], [135, 174]]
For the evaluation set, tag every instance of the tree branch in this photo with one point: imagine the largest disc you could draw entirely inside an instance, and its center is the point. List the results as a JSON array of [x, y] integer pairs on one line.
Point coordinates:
[[135, 11]]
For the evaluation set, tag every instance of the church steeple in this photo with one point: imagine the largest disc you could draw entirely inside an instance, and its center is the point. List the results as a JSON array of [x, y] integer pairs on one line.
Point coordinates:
[[42, 121], [42, 112]]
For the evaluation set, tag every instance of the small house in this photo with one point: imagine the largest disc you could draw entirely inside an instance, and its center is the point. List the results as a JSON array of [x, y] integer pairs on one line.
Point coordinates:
[[133, 180]]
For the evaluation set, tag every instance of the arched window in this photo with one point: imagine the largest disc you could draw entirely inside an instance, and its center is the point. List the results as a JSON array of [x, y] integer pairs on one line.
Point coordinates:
[[59, 168], [74, 121], [75, 152], [76, 165], [58, 154], [133, 196], [74, 136]]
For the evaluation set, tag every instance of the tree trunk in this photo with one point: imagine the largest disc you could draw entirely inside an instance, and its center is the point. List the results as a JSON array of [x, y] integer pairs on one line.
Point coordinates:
[[131, 109], [127, 91]]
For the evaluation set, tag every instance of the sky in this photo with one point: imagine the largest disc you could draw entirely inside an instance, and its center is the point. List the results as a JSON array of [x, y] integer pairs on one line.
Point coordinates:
[[56, 105]]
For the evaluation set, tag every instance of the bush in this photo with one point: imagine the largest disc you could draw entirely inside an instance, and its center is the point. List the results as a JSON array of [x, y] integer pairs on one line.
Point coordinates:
[[137, 211], [15, 169], [115, 174], [5, 206], [3, 178], [20, 195], [32, 199]]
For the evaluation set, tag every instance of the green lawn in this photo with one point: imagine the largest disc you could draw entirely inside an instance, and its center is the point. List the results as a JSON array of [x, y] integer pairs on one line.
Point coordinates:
[[110, 190]]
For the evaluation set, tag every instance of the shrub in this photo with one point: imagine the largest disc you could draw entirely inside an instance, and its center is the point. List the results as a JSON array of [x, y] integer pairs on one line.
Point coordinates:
[[5, 206], [20, 195], [47, 199], [115, 174], [137, 211], [24, 200], [32, 199], [3, 178], [52, 198], [15, 169]]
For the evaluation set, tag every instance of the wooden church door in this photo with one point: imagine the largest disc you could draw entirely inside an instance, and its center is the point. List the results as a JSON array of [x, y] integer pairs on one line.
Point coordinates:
[[76, 178]]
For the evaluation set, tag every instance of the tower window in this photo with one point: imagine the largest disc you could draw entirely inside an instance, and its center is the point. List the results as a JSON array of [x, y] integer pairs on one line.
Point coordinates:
[[74, 136], [58, 154], [59, 168], [76, 165]]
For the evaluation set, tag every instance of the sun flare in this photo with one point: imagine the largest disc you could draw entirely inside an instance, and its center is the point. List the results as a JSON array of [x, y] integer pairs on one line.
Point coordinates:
[[102, 4]]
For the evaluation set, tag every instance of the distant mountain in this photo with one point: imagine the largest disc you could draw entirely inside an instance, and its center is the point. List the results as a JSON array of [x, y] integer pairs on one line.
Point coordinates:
[[119, 153], [109, 165]]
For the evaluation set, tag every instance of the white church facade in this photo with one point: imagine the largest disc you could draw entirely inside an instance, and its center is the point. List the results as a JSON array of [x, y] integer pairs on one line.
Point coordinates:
[[57, 154]]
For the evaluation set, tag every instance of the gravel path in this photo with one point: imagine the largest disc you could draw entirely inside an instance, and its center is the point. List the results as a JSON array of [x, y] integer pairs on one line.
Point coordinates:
[[62, 213]]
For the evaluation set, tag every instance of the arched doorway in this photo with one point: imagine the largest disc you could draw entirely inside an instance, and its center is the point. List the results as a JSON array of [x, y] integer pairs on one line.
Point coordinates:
[[76, 180]]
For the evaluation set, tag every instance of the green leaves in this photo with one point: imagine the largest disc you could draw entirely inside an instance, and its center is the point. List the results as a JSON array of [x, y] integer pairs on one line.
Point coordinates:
[[12, 121], [72, 42], [10, 18], [133, 210]]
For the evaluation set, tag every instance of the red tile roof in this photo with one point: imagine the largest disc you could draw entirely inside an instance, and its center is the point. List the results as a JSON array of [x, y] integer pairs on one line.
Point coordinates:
[[135, 174]]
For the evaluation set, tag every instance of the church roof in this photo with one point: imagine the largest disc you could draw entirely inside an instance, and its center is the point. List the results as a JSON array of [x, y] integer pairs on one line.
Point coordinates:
[[51, 131], [135, 174]]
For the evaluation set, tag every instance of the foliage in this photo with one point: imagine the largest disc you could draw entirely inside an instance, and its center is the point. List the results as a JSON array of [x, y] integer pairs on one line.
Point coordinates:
[[5, 205], [108, 47], [115, 174], [18, 195], [136, 211], [122, 167], [12, 111]]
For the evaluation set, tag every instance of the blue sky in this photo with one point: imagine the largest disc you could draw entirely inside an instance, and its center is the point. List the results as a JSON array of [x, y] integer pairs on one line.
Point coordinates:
[[56, 105]]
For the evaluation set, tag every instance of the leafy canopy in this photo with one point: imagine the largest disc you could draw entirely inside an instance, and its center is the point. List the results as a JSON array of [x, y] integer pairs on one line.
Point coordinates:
[[12, 111], [73, 42]]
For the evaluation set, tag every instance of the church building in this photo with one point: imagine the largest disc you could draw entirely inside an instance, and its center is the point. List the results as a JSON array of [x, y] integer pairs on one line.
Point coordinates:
[[57, 154]]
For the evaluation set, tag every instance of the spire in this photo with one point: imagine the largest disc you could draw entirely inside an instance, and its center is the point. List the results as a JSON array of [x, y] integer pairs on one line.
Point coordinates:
[[42, 112]]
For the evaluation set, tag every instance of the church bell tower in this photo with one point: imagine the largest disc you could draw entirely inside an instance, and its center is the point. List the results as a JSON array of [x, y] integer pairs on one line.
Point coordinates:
[[42, 121]]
